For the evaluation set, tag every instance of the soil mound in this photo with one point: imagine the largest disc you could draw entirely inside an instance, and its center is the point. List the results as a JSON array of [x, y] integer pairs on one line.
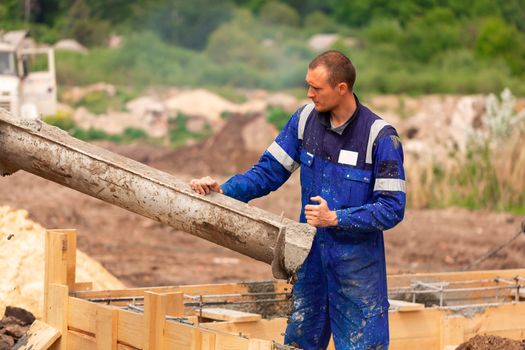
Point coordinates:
[[14, 325], [224, 153], [492, 342]]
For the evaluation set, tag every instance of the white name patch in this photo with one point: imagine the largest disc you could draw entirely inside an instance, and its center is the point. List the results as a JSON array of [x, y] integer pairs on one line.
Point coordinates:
[[348, 157]]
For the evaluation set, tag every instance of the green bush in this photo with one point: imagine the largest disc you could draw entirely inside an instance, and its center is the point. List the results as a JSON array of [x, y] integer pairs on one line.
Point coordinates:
[[183, 23], [383, 31], [179, 134], [230, 43], [319, 22], [278, 13], [278, 117], [498, 39], [433, 33], [97, 102], [61, 120], [131, 134]]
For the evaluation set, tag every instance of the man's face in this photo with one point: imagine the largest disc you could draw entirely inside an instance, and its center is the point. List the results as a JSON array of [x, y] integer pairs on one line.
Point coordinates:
[[323, 95]]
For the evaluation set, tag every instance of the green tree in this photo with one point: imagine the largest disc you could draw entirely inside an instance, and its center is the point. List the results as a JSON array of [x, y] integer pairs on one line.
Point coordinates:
[[513, 11], [383, 30], [277, 13], [435, 32], [231, 43], [495, 38], [11, 10], [320, 21], [84, 28], [498, 39], [181, 22]]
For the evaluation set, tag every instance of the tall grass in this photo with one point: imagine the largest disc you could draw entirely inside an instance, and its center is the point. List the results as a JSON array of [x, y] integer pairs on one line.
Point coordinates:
[[491, 175]]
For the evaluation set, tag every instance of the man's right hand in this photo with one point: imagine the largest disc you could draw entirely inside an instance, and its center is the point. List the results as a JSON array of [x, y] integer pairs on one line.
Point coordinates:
[[205, 185]]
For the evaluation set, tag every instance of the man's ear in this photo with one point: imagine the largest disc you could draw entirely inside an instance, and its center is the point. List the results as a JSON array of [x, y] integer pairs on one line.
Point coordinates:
[[342, 88]]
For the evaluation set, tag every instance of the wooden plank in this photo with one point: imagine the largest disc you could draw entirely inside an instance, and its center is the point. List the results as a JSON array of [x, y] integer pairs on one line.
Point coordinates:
[[125, 347], [106, 328], [508, 319], [130, 328], [204, 289], [57, 313], [416, 325], [192, 319], [40, 336], [260, 344], [83, 286], [60, 260], [220, 314], [123, 293], [405, 306], [264, 329], [395, 281], [208, 340], [81, 315], [331, 345], [225, 288], [414, 344], [181, 336], [230, 342], [154, 318], [452, 331], [71, 257], [175, 304], [80, 341]]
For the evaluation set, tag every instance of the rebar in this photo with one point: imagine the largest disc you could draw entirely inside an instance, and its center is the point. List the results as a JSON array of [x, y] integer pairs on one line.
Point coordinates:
[[498, 248]]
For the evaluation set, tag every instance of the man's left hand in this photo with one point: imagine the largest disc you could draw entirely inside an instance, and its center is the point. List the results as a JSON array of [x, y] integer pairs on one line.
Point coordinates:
[[320, 215]]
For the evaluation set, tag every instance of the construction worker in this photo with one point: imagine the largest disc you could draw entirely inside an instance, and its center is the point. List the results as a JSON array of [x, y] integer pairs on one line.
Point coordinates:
[[353, 188]]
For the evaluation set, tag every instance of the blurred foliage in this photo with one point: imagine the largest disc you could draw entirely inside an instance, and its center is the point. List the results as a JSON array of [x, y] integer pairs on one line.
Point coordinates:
[[278, 13], [100, 102], [61, 119], [277, 116], [404, 46], [179, 134], [181, 22], [64, 121]]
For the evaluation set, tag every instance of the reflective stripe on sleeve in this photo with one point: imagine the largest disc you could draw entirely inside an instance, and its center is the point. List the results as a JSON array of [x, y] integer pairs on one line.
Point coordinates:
[[374, 131], [282, 157], [390, 185], [303, 117]]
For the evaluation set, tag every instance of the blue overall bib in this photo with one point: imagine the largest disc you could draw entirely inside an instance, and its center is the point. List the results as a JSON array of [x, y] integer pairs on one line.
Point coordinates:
[[341, 287]]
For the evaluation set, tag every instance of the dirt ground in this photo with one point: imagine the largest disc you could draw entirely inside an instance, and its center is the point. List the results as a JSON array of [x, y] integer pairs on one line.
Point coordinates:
[[142, 252], [491, 342]]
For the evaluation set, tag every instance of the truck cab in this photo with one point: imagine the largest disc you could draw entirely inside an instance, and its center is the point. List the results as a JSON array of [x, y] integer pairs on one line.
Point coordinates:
[[27, 76]]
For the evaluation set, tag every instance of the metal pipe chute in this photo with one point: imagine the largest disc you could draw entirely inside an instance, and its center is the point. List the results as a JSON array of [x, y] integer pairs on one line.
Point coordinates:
[[53, 154]]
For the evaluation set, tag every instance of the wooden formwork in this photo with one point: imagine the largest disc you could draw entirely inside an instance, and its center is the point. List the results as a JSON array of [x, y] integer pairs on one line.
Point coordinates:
[[428, 311]]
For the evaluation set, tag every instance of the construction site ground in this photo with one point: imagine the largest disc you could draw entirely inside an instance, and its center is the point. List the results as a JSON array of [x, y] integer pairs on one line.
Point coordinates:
[[142, 252]]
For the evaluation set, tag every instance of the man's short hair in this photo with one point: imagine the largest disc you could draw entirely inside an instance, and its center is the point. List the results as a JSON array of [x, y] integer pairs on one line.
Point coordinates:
[[340, 68]]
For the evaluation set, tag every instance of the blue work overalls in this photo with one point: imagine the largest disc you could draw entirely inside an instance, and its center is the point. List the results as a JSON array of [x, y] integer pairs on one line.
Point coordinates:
[[341, 287]]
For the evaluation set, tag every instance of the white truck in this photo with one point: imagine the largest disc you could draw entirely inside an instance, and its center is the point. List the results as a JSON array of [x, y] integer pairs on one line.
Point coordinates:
[[27, 76]]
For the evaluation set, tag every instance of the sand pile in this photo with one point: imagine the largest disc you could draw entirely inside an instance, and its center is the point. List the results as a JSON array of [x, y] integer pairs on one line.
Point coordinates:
[[22, 257]]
